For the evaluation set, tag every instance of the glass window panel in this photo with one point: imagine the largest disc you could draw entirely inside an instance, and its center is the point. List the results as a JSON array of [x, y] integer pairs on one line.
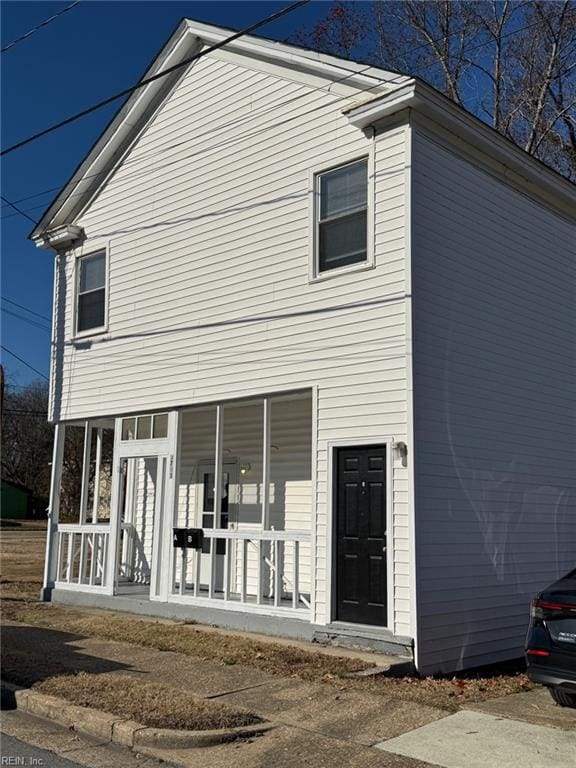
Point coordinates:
[[344, 189], [144, 428], [160, 428], [91, 310], [105, 479], [342, 241], [92, 272], [71, 481], [128, 429]]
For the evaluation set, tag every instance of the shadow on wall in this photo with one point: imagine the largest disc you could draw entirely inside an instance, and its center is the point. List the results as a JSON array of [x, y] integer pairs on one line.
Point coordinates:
[[59, 338], [499, 511]]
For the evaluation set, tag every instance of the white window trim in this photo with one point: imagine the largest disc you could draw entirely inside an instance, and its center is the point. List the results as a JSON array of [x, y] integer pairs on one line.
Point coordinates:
[[314, 273], [101, 329]]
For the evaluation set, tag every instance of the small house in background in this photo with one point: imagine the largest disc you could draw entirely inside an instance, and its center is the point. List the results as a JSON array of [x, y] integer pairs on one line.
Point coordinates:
[[14, 500], [316, 326], [18, 502]]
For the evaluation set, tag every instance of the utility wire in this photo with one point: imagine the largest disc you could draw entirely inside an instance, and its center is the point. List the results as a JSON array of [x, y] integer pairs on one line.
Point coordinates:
[[157, 76], [9, 351], [18, 210], [27, 309], [275, 106], [40, 26], [28, 320], [23, 411]]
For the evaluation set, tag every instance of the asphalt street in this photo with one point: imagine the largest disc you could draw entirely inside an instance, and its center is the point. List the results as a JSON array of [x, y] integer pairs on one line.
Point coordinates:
[[19, 753]]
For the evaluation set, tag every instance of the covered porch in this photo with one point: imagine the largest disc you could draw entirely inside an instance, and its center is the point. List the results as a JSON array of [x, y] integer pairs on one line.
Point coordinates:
[[239, 473]]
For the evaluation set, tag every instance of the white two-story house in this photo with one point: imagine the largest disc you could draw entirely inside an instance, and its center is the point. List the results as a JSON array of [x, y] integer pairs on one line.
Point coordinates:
[[322, 319]]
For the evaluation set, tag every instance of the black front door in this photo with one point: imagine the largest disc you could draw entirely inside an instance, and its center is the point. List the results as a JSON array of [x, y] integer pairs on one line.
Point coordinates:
[[360, 510]]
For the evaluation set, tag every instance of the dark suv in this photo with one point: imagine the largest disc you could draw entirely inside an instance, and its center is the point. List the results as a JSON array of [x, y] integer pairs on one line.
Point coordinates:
[[551, 640]]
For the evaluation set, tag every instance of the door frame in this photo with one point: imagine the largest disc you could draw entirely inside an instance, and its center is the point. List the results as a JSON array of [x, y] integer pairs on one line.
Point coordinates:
[[162, 448], [332, 544], [158, 513]]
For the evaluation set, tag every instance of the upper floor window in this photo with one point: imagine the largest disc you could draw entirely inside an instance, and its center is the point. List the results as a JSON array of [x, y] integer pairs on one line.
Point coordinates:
[[342, 216], [91, 301]]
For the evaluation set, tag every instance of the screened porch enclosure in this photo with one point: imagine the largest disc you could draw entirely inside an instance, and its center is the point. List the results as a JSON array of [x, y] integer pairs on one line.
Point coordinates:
[[252, 462], [239, 471]]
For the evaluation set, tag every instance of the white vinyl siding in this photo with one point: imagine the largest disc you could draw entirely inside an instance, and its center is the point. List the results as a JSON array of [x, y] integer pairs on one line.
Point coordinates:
[[209, 254], [494, 287]]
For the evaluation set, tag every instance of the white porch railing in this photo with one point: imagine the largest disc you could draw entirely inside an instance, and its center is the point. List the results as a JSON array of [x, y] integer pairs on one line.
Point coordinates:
[[257, 570], [82, 556]]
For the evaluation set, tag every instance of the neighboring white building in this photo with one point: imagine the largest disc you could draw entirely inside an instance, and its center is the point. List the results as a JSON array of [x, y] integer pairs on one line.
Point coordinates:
[[325, 300]]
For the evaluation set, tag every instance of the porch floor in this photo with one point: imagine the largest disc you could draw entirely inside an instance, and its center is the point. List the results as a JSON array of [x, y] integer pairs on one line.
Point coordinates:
[[142, 591]]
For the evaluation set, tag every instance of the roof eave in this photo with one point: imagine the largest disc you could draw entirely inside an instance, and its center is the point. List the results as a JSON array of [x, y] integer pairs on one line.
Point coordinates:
[[188, 37], [117, 135], [425, 100]]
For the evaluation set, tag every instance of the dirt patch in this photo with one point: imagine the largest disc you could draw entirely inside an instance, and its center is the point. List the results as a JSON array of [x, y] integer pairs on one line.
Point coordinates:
[[451, 693], [282, 660]]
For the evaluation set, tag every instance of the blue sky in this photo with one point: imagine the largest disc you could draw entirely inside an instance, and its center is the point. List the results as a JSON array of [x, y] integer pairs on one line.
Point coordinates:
[[87, 54]]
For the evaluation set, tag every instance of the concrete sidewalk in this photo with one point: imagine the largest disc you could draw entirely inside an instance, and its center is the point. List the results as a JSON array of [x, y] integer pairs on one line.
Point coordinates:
[[317, 724], [324, 725], [524, 729]]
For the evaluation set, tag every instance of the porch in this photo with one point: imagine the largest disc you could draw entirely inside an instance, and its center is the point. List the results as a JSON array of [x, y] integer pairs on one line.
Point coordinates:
[[240, 472]]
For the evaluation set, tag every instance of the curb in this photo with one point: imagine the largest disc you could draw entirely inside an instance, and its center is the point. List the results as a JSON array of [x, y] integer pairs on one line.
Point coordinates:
[[126, 733]]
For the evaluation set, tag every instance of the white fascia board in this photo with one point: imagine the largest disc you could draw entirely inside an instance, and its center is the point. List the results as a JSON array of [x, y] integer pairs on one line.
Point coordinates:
[[293, 56], [465, 126], [117, 137], [189, 38], [59, 238], [376, 109]]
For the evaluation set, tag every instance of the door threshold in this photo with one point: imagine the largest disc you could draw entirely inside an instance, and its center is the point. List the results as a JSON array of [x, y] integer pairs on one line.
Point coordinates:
[[350, 626]]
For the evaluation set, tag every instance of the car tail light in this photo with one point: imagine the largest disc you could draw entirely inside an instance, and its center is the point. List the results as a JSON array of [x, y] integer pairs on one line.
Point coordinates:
[[541, 609], [537, 652]]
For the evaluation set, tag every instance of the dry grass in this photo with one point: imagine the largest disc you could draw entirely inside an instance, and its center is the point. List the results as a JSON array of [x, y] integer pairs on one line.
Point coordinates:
[[282, 660], [22, 557], [152, 704]]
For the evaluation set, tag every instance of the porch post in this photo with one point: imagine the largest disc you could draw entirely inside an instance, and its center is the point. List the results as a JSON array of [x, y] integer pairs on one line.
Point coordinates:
[[170, 510], [96, 499], [266, 465], [218, 466], [51, 557], [111, 555], [85, 472], [217, 493]]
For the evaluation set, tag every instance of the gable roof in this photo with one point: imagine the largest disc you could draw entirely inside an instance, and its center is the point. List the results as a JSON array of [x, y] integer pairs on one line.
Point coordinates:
[[188, 38], [398, 91]]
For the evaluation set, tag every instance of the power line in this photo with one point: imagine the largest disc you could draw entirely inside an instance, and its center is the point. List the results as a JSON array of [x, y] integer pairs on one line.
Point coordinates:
[[40, 26], [28, 320], [257, 131], [18, 210], [9, 351], [27, 309], [276, 106], [157, 76]]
